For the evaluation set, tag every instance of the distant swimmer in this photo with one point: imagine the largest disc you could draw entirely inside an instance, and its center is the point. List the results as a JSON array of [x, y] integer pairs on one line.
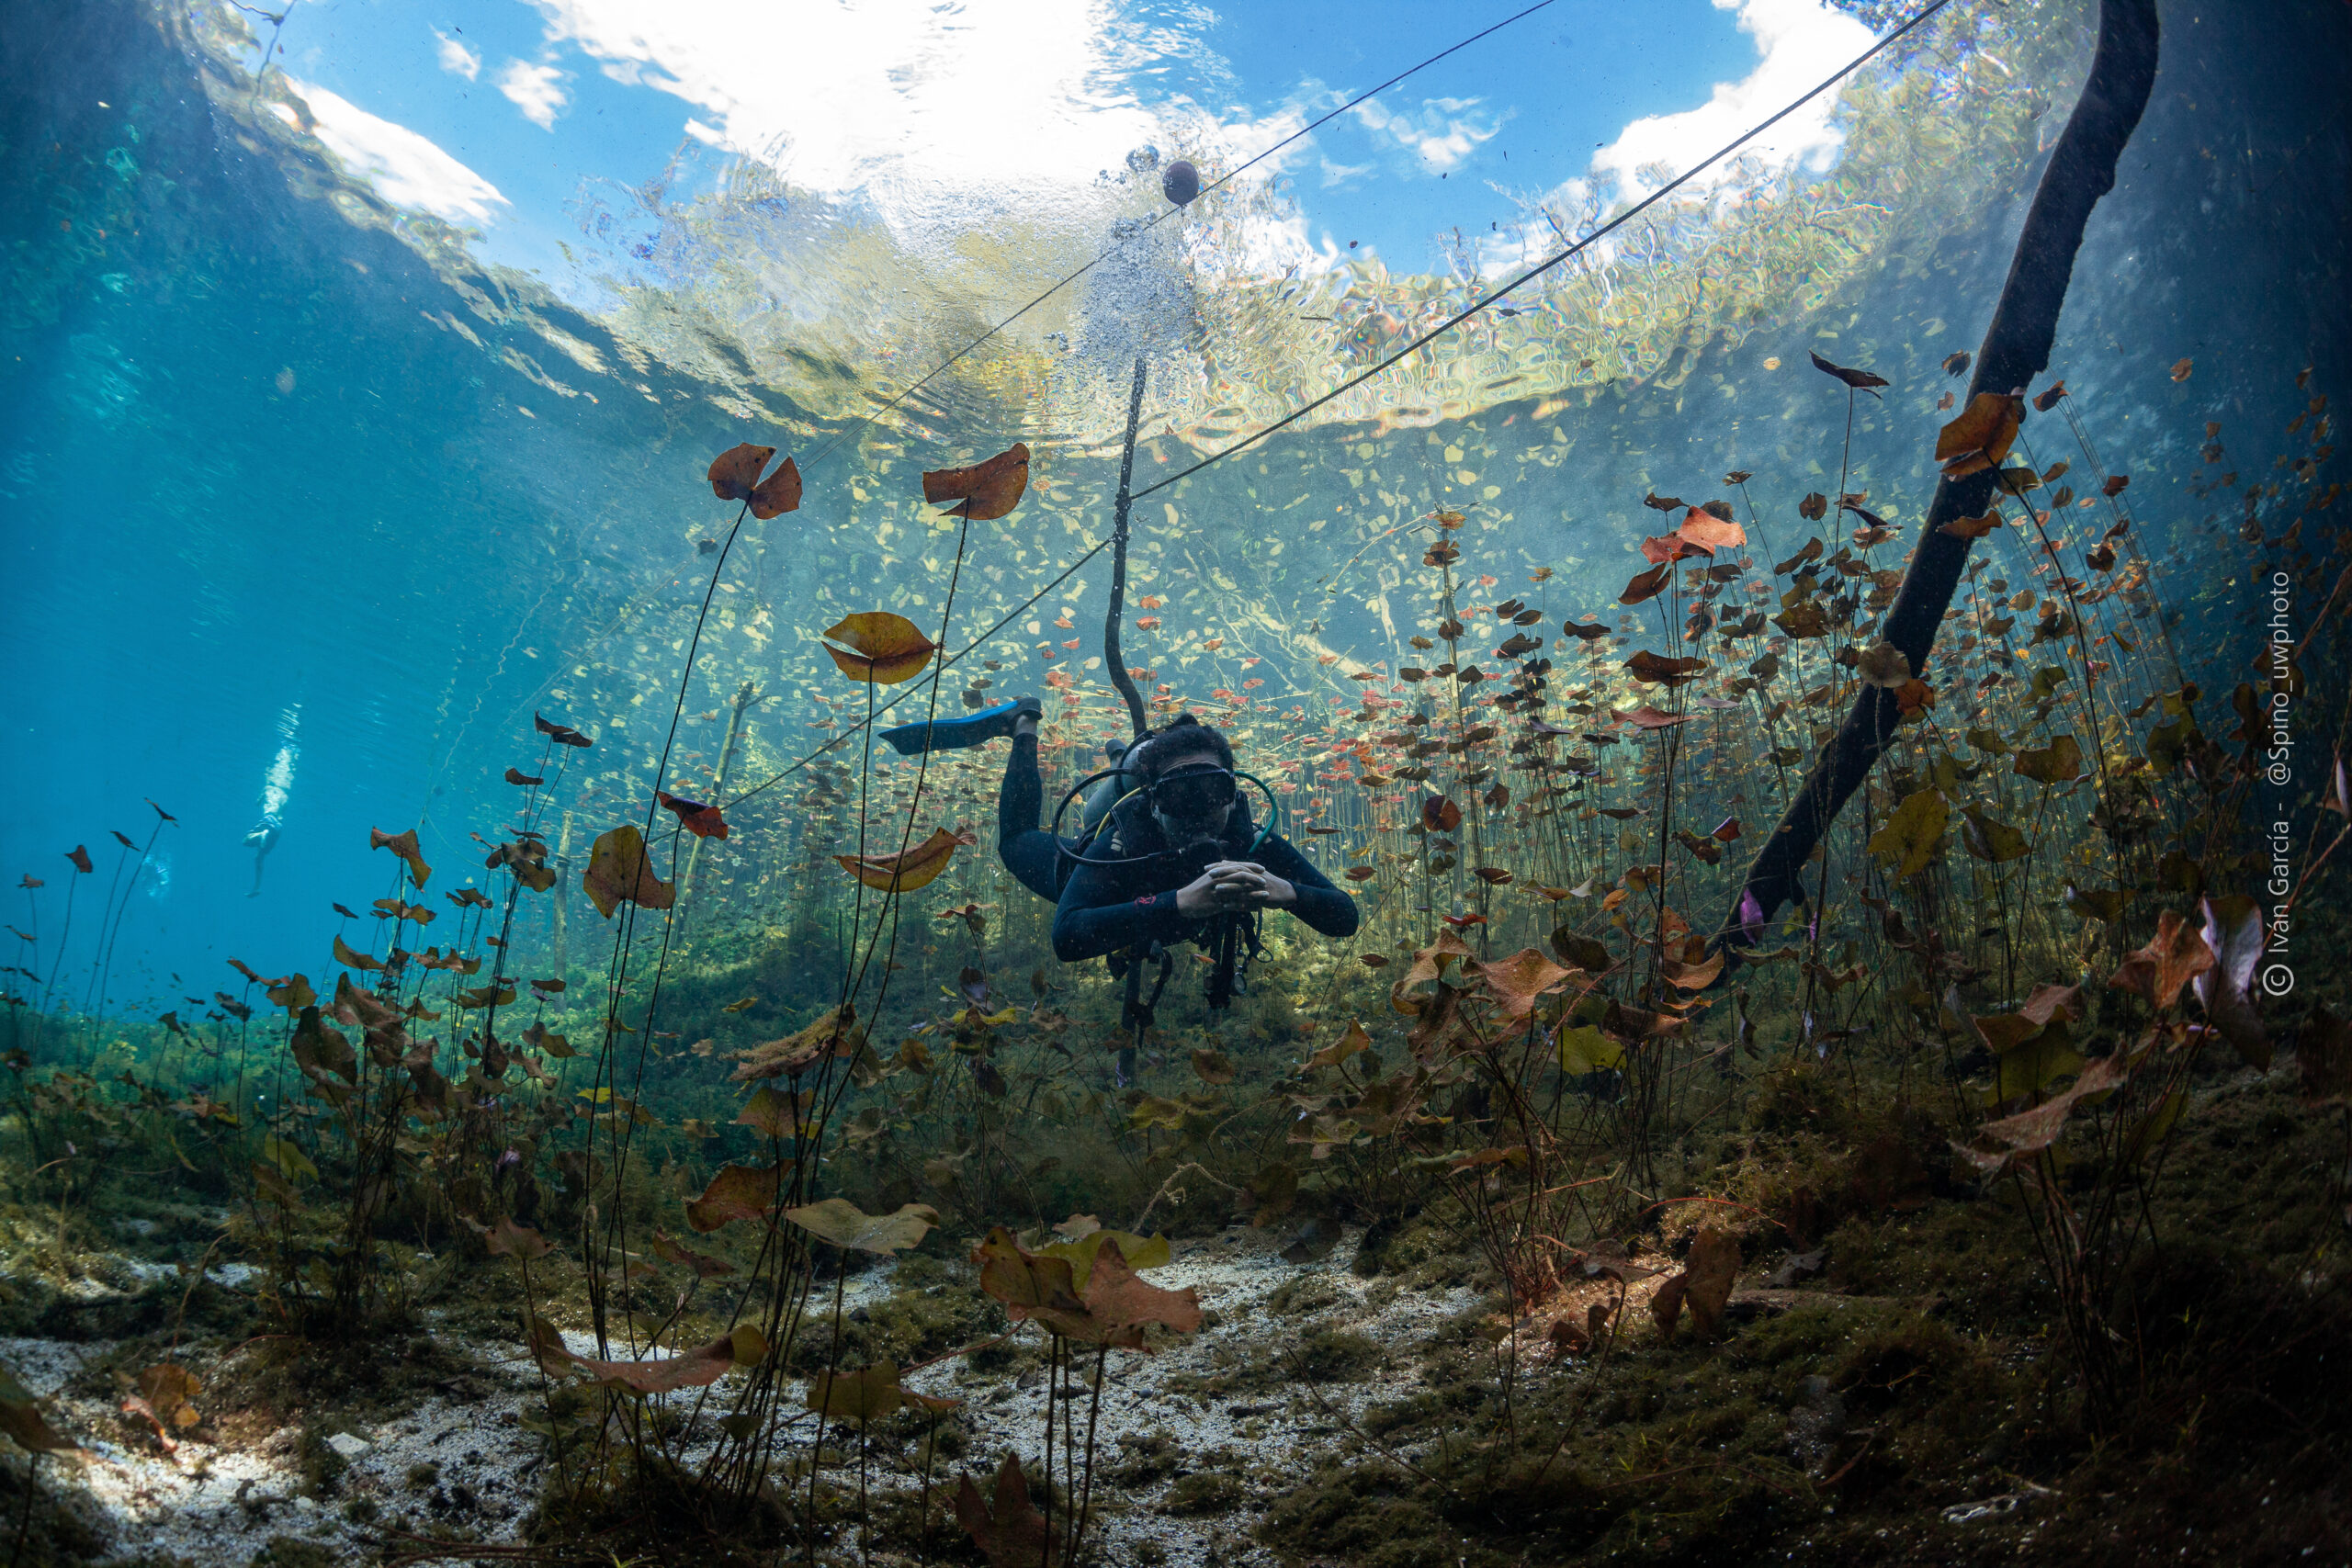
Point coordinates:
[[276, 785], [261, 840]]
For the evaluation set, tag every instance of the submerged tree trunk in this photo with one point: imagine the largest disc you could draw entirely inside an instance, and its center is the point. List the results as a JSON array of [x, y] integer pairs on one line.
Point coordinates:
[[686, 884], [1115, 658], [2016, 349]]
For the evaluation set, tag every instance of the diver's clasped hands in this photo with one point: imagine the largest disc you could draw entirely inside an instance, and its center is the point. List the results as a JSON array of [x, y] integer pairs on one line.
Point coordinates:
[[1231, 886]]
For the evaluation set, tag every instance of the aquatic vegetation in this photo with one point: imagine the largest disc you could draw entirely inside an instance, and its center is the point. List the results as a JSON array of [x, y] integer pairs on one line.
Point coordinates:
[[1840, 851]]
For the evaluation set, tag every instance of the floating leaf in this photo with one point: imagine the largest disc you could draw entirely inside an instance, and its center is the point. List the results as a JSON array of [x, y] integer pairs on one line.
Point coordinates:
[[1348, 1044], [80, 856], [832, 1033], [1863, 380], [703, 821], [1517, 982], [1956, 363], [883, 648], [2061, 762], [735, 476], [737, 1192], [563, 735], [1079, 1251], [1585, 1049], [1440, 814], [528, 781], [1980, 436], [1648, 585], [404, 845], [2047, 398], [2182, 368], [984, 489], [1655, 669], [344, 954], [1911, 836], [620, 871], [705, 1267], [1703, 531], [2174, 956], [904, 872], [840, 1222], [293, 994], [2031, 1132], [1989, 838], [1211, 1067], [1882, 665]]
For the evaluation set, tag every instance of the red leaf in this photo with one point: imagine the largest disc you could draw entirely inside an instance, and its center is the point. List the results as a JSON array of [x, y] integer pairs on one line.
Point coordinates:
[[703, 821]]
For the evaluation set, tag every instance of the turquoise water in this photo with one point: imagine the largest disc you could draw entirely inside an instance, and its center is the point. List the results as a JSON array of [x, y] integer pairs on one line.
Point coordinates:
[[297, 489]]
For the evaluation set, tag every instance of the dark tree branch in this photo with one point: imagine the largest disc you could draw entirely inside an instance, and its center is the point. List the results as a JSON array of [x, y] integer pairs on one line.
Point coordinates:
[[2016, 349]]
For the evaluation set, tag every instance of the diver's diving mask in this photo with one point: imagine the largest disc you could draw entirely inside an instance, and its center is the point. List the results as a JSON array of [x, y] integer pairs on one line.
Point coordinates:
[[1195, 793]]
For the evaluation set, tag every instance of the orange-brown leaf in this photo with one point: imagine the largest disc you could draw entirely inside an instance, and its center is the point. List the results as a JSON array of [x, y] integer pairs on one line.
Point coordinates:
[[1980, 436], [984, 489], [620, 871], [917, 867], [883, 648]]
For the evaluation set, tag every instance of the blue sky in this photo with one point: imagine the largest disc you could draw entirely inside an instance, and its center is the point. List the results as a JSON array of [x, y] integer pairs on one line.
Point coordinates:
[[502, 114]]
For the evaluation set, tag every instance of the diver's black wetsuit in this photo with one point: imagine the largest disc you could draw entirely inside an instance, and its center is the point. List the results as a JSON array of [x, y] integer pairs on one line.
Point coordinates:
[[1106, 907], [1027, 849]]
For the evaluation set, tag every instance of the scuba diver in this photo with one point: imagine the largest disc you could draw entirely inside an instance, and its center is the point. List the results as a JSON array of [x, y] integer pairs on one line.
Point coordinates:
[[1035, 857], [1166, 852], [1181, 861]]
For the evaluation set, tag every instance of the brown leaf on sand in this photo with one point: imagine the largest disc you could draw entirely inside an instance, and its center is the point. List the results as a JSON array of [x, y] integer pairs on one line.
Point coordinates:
[[984, 489], [698, 1368], [1015, 1535], [1709, 1270]]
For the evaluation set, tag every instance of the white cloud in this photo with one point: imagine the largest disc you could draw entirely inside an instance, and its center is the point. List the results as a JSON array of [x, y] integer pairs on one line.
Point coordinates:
[[536, 90], [1440, 135], [1799, 41], [405, 169], [457, 58], [907, 99]]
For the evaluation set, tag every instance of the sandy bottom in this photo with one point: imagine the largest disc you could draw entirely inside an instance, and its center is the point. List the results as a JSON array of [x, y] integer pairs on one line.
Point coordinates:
[[468, 1466]]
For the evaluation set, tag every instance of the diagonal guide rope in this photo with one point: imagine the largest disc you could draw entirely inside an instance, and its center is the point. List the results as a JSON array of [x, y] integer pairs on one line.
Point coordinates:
[[1725, 151]]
